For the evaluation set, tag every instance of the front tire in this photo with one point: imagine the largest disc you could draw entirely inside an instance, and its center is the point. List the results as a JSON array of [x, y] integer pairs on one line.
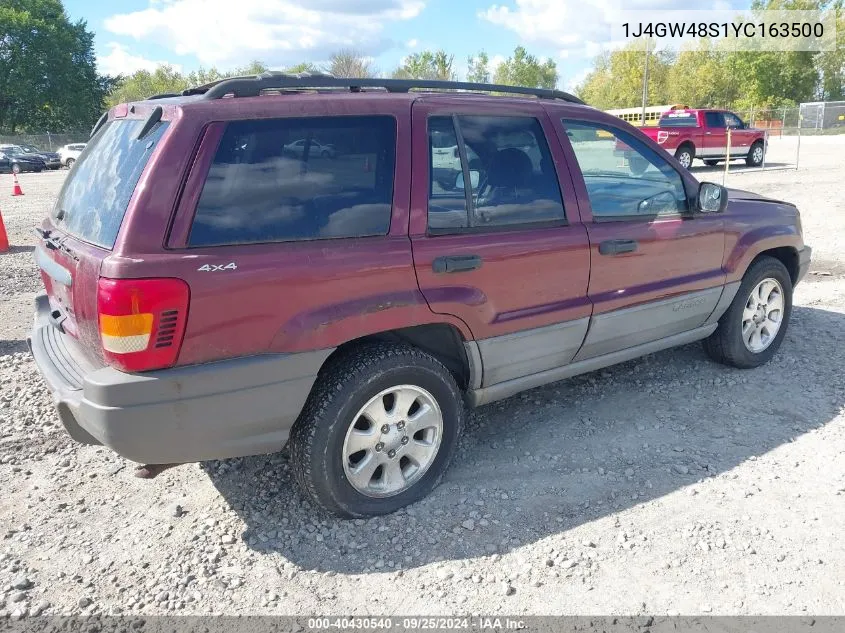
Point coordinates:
[[752, 329], [70, 162], [378, 431], [685, 155], [16, 169]]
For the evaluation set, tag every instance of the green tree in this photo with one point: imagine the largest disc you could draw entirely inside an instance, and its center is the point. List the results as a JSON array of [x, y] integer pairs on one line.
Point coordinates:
[[831, 64], [479, 68], [523, 69], [700, 76], [143, 83], [166, 79], [617, 79], [303, 67], [350, 63], [48, 72], [427, 65]]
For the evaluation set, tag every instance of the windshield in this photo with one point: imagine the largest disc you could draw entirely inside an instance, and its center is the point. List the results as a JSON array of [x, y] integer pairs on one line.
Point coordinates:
[[95, 196]]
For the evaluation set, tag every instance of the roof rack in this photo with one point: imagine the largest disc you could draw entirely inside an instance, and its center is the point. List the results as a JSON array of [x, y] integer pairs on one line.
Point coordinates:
[[254, 85]]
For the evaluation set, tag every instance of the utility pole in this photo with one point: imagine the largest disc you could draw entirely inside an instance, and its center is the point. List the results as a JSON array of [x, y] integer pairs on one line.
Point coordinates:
[[645, 81]]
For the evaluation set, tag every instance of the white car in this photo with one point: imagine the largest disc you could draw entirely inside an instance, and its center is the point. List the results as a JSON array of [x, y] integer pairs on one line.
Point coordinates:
[[446, 158], [68, 154], [297, 148]]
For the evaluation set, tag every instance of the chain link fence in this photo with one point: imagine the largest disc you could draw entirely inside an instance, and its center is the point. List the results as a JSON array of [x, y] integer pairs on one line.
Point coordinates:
[[823, 117], [45, 141]]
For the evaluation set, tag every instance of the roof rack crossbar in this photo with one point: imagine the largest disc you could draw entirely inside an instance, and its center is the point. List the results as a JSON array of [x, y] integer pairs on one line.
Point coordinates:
[[254, 85]]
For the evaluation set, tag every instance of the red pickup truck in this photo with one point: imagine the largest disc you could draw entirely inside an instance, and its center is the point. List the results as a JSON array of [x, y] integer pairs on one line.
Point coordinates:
[[691, 134]]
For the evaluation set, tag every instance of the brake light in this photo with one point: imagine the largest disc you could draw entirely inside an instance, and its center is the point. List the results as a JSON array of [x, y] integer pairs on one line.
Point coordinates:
[[142, 321]]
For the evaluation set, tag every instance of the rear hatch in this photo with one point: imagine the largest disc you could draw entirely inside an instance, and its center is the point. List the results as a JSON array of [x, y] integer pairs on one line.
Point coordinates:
[[83, 226]]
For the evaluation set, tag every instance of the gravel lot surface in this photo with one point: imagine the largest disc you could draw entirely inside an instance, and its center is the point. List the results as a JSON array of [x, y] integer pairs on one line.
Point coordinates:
[[664, 485]]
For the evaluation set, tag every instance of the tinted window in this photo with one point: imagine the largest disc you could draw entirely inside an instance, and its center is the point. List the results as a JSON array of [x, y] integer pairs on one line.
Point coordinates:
[[625, 178], [512, 177], [732, 121], [714, 119], [678, 119], [97, 190], [292, 179], [447, 204]]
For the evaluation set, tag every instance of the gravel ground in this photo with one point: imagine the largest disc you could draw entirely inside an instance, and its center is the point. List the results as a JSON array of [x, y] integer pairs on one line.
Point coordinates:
[[664, 485]]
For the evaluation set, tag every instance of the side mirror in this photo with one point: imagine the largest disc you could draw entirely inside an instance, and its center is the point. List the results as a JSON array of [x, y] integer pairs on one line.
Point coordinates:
[[712, 198], [473, 179]]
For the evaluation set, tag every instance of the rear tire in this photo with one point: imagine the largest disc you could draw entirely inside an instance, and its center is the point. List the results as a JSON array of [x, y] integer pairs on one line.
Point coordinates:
[[755, 155], [765, 286], [386, 398], [685, 155]]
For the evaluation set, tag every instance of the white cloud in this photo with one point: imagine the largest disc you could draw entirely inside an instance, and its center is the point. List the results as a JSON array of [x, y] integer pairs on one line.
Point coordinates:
[[495, 62], [411, 43], [278, 32], [578, 78], [119, 61], [585, 28], [558, 24]]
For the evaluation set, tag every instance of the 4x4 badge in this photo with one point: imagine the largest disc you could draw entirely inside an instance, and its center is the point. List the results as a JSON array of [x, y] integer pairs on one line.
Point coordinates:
[[212, 267]]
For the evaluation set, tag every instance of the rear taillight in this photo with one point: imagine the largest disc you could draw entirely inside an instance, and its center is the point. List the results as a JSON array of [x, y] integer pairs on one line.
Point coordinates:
[[142, 321]]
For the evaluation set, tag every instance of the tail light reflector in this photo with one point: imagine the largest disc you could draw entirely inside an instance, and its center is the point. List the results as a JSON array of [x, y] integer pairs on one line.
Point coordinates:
[[142, 321]]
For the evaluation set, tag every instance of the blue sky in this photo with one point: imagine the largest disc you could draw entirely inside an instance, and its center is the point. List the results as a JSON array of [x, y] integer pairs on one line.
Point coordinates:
[[134, 34]]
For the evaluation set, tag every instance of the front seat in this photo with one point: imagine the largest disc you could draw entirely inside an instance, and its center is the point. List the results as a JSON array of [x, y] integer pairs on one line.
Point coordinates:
[[508, 181]]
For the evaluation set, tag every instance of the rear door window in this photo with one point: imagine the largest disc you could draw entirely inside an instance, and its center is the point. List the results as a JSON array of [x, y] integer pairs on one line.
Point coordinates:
[[714, 119], [512, 177], [96, 193], [280, 180]]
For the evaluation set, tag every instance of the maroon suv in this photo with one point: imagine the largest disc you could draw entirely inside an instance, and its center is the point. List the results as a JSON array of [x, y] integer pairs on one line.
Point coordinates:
[[217, 287]]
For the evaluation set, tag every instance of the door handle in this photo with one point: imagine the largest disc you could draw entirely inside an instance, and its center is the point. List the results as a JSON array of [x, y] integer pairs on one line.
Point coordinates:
[[617, 247], [456, 263]]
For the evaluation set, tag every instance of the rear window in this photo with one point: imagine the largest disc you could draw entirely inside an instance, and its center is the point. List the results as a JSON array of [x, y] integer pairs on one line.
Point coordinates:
[[95, 195], [678, 119], [281, 180]]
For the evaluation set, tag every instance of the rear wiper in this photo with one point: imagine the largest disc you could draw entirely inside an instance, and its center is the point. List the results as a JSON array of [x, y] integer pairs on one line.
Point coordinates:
[[54, 243]]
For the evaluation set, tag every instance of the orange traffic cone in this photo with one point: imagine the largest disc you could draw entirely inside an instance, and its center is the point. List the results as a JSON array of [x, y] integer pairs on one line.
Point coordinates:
[[4, 239], [17, 191]]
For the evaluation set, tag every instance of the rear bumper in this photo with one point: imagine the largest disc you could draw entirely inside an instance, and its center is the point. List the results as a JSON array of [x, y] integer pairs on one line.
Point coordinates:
[[804, 258], [230, 408]]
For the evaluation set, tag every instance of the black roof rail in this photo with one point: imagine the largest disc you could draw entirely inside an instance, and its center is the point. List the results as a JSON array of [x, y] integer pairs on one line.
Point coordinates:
[[254, 85]]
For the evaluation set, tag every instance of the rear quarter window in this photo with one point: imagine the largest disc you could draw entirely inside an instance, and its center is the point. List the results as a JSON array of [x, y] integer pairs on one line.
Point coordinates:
[[279, 180]]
